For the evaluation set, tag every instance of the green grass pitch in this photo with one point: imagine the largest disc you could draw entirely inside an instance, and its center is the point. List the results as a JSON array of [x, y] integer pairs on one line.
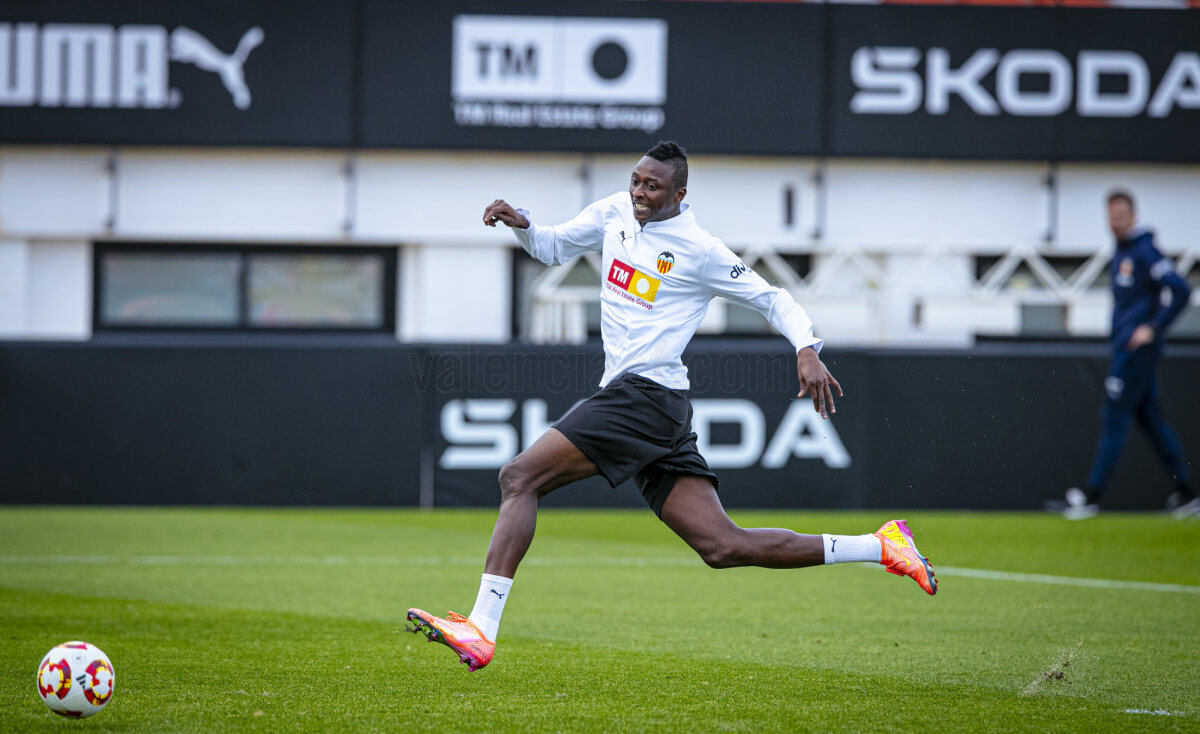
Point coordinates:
[[282, 620]]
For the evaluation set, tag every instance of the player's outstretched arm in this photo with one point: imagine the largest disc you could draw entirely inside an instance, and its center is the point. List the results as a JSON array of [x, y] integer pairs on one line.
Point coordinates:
[[816, 381], [501, 211], [552, 245]]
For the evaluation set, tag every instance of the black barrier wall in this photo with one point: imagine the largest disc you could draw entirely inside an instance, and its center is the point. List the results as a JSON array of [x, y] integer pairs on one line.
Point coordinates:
[[1001, 427], [207, 425], [741, 78]]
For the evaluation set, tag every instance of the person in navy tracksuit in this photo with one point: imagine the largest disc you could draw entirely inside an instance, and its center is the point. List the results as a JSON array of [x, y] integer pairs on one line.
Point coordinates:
[[1148, 294]]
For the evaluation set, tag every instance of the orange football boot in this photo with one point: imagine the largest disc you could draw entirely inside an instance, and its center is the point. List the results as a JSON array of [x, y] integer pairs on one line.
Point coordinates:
[[457, 633], [901, 557]]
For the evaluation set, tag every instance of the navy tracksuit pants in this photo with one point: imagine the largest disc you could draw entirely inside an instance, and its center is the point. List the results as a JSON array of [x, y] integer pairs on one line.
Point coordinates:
[[1132, 392]]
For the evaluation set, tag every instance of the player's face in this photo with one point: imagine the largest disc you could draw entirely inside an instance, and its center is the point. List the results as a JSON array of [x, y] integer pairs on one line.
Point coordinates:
[[1120, 218], [654, 195]]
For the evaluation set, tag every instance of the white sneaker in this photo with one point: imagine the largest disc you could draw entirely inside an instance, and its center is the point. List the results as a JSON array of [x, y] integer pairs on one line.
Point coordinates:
[[1187, 510], [1078, 507]]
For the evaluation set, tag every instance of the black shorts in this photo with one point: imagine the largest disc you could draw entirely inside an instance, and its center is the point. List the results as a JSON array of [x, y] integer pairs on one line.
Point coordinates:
[[637, 428]]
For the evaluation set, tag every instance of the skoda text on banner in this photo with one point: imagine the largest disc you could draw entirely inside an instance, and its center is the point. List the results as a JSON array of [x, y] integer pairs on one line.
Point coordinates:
[[1017, 83]]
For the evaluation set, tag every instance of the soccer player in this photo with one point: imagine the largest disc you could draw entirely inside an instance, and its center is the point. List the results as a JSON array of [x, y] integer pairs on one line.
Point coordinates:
[[660, 272], [1140, 277]]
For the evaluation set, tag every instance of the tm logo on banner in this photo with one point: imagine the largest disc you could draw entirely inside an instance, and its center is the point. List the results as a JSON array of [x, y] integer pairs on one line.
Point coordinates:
[[101, 66], [583, 73]]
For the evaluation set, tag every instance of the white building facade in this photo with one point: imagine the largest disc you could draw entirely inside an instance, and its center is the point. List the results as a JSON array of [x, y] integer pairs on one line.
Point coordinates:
[[881, 252]]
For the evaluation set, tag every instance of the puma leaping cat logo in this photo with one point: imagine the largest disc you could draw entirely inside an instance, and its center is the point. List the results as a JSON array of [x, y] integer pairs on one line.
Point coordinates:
[[190, 47]]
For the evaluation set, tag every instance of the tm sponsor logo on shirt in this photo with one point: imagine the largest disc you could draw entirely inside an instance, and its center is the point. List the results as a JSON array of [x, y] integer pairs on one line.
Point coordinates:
[[632, 284]]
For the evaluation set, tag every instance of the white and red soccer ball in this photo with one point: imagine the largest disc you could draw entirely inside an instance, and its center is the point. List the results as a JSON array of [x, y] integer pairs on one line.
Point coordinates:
[[76, 679]]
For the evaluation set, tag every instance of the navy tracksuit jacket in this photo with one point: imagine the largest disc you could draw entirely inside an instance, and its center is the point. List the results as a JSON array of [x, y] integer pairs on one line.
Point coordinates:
[[1140, 277]]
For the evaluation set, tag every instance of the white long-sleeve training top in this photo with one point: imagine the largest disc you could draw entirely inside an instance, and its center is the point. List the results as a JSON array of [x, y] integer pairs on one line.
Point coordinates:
[[657, 283]]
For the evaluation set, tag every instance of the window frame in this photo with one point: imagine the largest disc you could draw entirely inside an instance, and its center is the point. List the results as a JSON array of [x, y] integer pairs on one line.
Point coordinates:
[[100, 325]]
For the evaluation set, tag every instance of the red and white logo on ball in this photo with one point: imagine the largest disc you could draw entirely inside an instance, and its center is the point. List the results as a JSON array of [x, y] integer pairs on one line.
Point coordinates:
[[98, 687], [54, 679]]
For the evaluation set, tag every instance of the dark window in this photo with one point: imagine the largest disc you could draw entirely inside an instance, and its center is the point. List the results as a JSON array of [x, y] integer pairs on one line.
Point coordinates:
[[1023, 277], [168, 288], [244, 288]]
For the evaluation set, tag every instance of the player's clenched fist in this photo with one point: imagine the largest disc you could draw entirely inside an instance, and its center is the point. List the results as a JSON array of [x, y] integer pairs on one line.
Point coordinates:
[[501, 211]]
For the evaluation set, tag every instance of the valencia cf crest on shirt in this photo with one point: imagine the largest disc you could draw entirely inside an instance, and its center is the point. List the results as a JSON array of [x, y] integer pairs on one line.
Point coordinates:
[[1125, 273], [666, 261]]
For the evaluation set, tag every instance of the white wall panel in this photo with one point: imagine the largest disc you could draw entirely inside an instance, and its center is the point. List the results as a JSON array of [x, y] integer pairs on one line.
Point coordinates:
[[936, 276], [411, 315], [911, 204], [844, 321], [53, 192], [248, 195], [999, 316], [458, 294], [841, 276], [440, 198], [60, 290], [1091, 316], [14, 288], [1168, 200]]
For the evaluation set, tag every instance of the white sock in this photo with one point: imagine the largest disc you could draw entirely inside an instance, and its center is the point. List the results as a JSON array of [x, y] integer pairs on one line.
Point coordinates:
[[851, 548], [489, 604]]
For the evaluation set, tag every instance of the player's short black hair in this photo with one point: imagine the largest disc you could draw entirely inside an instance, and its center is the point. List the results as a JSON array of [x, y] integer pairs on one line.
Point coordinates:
[[668, 151], [1122, 195]]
